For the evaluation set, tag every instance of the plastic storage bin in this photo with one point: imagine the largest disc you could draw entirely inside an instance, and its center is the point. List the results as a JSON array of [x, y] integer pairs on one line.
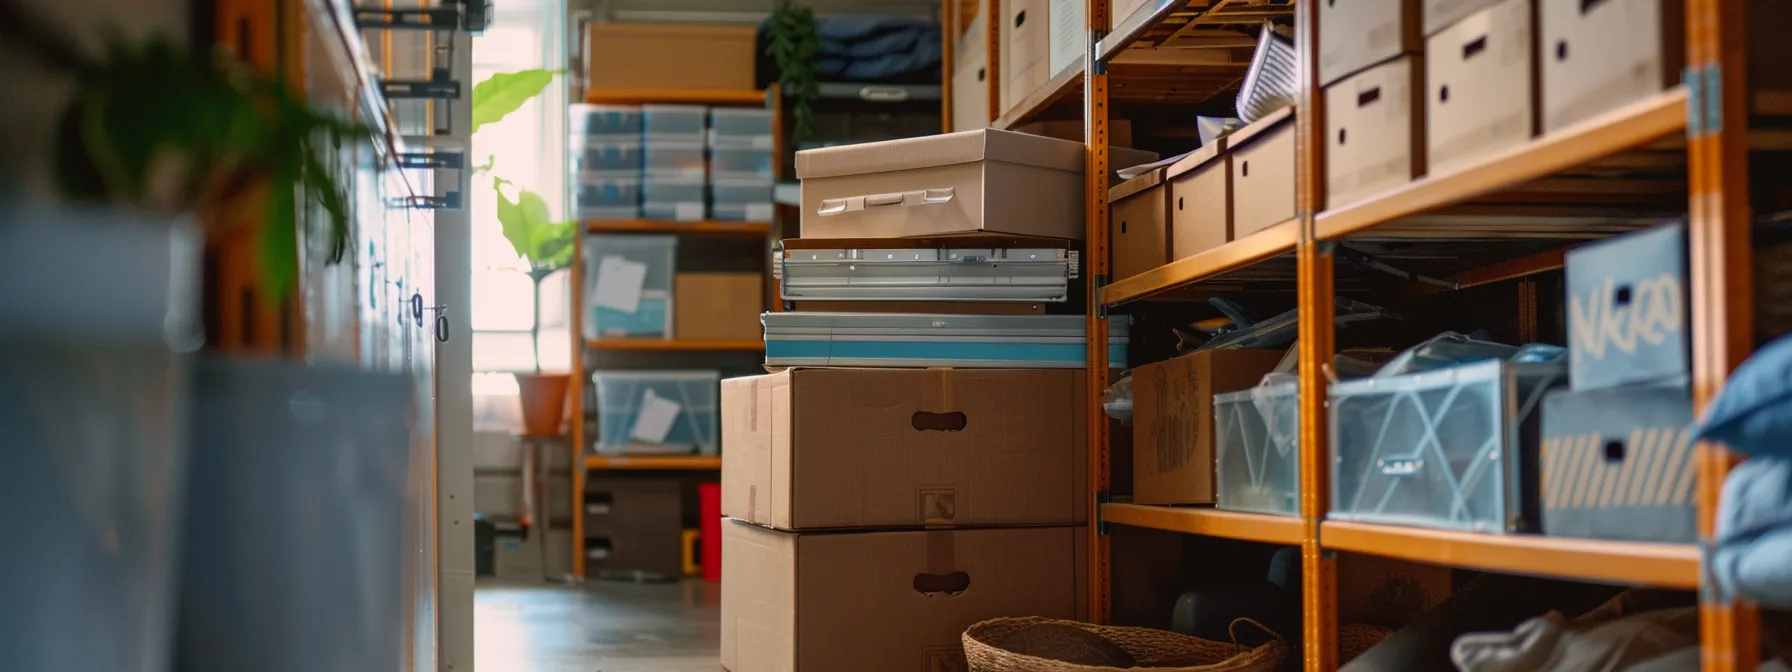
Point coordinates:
[[628, 290], [680, 200], [598, 154], [674, 122], [734, 201], [741, 164], [1452, 448], [656, 412], [741, 128], [1256, 444], [666, 160], [618, 120], [598, 196]]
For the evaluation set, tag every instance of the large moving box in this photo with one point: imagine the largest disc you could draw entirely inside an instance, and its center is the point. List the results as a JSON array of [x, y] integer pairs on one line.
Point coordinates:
[[1172, 414], [668, 56]]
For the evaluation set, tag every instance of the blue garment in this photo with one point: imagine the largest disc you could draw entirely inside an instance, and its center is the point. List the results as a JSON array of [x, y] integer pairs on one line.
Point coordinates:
[[1753, 558], [1753, 413]]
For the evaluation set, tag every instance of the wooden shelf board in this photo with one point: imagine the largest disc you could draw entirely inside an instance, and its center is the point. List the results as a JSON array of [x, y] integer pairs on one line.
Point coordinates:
[[690, 462], [1059, 87], [1621, 562], [1132, 27], [740, 97], [1628, 127], [1271, 242], [664, 226], [1209, 522], [690, 345]]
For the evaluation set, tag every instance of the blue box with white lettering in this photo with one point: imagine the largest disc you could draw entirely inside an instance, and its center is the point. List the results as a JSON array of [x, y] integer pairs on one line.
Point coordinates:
[[1627, 309], [1617, 463]]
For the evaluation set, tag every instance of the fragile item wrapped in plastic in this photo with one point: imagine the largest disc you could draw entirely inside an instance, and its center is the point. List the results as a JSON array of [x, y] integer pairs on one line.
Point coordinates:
[[1451, 349], [1279, 331], [1116, 401]]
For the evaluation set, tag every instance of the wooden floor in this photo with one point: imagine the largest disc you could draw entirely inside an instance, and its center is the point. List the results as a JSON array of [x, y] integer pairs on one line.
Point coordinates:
[[597, 627]]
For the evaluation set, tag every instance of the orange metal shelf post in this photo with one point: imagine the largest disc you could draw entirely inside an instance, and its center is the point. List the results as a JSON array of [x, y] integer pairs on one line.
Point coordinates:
[[1095, 172]]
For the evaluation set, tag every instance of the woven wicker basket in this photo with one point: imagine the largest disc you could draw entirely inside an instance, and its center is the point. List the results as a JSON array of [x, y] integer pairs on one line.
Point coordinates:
[[1354, 639], [1153, 650]]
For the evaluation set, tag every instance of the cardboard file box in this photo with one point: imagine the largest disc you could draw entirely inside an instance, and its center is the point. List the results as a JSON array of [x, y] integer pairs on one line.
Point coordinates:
[[1375, 131], [668, 56], [1139, 218], [886, 601], [1481, 81], [1173, 419], [1026, 63], [721, 306], [1200, 201], [968, 182], [1441, 14], [1068, 26], [1618, 463], [853, 448], [1262, 174], [970, 84], [1629, 310], [1355, 34]]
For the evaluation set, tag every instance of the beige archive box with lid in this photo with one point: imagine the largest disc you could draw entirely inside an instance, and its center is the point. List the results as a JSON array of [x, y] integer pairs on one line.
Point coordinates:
[[982, 181]]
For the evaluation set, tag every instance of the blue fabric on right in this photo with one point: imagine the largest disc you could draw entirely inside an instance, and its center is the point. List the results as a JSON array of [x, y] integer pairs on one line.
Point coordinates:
[[1753, 413], [1753, 557]]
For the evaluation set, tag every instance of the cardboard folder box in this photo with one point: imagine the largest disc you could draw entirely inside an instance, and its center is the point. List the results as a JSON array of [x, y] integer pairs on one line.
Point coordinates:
[[1356, 34], [722, 306], [1200, 200], [1139, 216], [895, 601], [1172, 411], [1375, 130], [854, 448], [668, 56]]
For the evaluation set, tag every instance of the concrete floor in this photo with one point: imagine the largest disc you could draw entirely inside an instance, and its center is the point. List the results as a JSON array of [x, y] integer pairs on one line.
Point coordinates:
[[597, 627]]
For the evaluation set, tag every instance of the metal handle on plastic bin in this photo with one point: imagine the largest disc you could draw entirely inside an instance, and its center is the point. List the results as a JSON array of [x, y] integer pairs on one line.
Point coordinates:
[[1400, 467], [835, 206], [883, 94]]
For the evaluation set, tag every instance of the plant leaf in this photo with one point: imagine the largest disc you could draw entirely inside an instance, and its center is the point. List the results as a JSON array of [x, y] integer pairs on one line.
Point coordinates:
[[525, 220], [280, 238], [506, 92]]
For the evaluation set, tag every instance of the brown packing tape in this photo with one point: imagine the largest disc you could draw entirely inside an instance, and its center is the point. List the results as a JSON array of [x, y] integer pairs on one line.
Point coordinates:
[[753, 504], [942, 398]]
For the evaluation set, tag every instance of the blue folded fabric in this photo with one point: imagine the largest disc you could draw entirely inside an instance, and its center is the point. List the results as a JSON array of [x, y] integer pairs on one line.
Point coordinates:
[[1753, 557], [855, 27], [1753, 413]]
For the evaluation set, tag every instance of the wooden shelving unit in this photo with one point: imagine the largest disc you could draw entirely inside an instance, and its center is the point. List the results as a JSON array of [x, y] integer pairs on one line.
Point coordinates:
[[1701, 130], [733, 97], [708, 228], [649, 462]]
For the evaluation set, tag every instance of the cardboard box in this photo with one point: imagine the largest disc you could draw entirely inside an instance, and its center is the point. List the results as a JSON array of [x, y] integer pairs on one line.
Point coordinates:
[[970, 84], [1375, 131], [1617, 463], [1481, 82], [1356, 34], [722, 306], [1069, 25], [1172, 413], [1026, 65], [1139, 218], [615, 504], [966, 182], [887, 601], [1262, 173], [668, 56], [1200, 201], [852, 448], [1628, 316], [1441, 14], [1119, 132]]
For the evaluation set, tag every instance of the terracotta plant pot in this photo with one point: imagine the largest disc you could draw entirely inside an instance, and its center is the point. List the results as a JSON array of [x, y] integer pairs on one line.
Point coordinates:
[[544, 402]]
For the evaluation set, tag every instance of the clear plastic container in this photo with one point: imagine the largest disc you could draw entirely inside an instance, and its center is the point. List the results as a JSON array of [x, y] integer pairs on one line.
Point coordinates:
[[1256, 445], [741, 212], [741, 164], [1453, 448], [679, 211], [594, 190], [628, 285], [600, 120], [608, 212], [599, 154], [672, 191], [674, 122], [668, 160], [738, 201], [656, 412], [741, 128]]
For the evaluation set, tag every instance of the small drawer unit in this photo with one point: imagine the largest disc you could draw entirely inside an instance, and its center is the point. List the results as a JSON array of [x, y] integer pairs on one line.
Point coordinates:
[[597, 193], [1481, 85], [644, 554], [740, 164], [613, 504], [1139, 212], [628, 290], [623, 121], [1452, 448], [674, 123], [1356, 34], [1628, 311], [1263, 174], [1374, 131], [656, 412], [1256, 444], [1618, 463], [673, 161], [605, 155], [737, 128]]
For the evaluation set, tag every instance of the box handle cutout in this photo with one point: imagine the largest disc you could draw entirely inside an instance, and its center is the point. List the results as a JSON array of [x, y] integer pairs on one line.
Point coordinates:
[[1474, 47], [1621, 297], [1587, 6], [981, 74], [1443, 93], [1122, 227], [883, 199], [938, 422], [1178, 206], [1020, 17], [1342, 135], [835, 206], [599, 503], [1614, 451], [1400, 466], [942, 585], [1244, 169], [1369, 97]]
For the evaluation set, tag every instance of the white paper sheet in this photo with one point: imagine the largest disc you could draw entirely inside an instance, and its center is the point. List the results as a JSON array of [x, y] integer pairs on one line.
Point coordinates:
[[654, 421], [619, 283]]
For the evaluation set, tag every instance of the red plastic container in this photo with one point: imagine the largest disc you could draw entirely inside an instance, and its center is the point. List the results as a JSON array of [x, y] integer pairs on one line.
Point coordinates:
[[709, 506]]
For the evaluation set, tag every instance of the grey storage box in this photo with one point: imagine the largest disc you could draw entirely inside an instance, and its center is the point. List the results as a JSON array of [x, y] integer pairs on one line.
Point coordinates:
[[914, 340], [1628, 314], [1452, 448], [613, 504], [928, 269], [1618, 463], [1256, 445]]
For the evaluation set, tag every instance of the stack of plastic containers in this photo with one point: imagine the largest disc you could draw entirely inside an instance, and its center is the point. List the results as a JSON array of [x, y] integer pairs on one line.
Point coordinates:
[[674, 170], [740, 164], [606, 161]]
